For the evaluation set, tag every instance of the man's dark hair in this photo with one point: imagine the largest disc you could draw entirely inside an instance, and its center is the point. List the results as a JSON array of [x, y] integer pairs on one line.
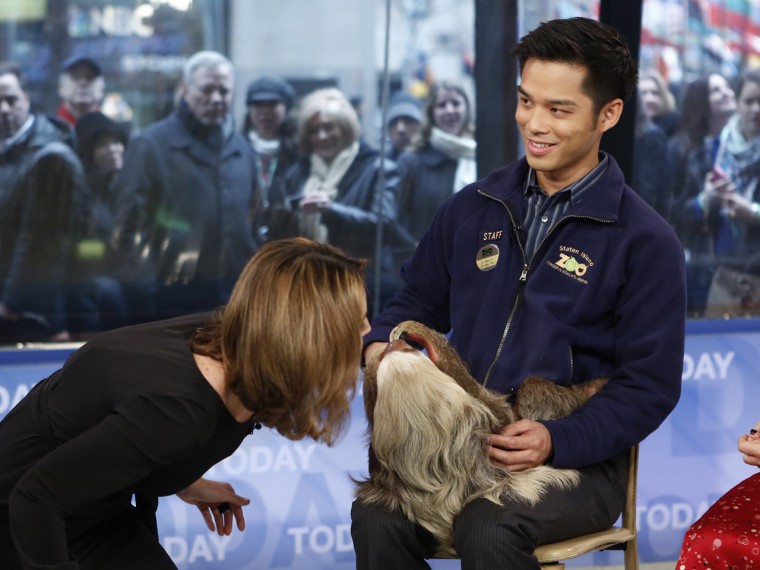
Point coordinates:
[[14, 68], [598, 47]]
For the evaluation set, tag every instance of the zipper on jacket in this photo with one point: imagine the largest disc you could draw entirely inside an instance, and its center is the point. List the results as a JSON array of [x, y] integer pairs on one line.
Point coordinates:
[[520, 238], [517, 228]]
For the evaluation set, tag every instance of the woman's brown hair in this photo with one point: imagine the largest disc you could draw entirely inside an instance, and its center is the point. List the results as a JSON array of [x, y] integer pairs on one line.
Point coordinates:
[[289, 337]]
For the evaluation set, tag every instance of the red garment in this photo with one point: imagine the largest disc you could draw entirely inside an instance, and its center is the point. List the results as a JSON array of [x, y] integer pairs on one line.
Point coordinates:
[[727, 536], [65, 114]]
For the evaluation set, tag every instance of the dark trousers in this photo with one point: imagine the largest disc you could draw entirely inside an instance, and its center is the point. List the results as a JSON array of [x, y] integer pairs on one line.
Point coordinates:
[[126, 540], [121, 543], [488, 536]]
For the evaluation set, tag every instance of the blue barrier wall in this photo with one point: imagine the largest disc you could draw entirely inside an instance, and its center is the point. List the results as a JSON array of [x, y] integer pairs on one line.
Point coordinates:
[[301, 492]]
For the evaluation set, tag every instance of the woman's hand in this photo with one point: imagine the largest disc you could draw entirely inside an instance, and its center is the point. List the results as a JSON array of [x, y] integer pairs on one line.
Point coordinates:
[[749, 446], [315, 203], [739, 207], [717, 187], [218, 503]]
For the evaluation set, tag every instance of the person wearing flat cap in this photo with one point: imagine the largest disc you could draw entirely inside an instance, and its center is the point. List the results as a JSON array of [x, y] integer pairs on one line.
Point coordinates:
[[271, 135], [404, 122], [81, 87]]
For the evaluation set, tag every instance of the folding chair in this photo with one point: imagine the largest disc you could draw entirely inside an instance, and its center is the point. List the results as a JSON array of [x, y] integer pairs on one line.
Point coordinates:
[[552, 556]]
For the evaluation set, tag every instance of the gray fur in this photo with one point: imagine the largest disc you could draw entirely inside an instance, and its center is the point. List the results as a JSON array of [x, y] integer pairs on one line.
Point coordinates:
[[429, 426]]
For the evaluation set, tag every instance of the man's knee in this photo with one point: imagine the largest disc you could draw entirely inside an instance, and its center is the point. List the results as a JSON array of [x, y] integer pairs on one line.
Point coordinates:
[[375, 528], [372, 520], [486, 522]]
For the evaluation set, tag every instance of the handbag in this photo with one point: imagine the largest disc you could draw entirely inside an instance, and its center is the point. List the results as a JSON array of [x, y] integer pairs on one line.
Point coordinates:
[[733, 293]]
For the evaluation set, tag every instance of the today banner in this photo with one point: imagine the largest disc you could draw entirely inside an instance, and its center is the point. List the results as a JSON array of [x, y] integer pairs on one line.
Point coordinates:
[[301, 492]]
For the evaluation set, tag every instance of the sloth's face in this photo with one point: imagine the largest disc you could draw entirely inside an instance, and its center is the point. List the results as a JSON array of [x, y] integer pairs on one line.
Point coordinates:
[[404, 340], [409, 358]]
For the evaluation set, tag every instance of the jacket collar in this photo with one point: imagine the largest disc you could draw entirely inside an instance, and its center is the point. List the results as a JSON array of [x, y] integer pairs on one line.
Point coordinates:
[[602, 200]]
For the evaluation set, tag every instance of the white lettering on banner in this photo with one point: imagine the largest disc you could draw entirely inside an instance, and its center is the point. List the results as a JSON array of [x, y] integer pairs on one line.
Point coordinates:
[[707, 366], [7, 402], [210, 548], [321, 539], [111, 20], [673, 516], [296, 457]]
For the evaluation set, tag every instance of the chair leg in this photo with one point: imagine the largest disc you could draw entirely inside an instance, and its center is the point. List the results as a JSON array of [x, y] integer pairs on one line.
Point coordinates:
[[631, 556]]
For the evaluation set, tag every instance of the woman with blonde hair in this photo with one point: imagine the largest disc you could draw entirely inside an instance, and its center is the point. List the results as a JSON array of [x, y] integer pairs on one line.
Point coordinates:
[[334, 187], [657, 102], [442, 162], [146, 410]]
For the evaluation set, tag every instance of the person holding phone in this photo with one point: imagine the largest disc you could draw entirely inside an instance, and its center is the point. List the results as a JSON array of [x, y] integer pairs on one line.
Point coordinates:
[[720, 226]]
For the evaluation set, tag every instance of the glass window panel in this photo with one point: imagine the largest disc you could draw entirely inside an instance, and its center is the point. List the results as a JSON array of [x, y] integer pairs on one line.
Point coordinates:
[[142, 46]]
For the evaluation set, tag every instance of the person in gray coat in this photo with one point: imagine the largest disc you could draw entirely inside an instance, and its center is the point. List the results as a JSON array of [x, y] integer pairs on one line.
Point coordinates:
[[182, 225], [41, 184]]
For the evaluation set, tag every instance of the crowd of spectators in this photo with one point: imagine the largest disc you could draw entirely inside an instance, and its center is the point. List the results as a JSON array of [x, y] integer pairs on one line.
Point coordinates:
[[102, 228], [697, 163]]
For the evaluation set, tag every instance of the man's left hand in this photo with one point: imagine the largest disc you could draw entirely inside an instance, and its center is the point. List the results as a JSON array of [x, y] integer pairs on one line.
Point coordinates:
[[521, 445]]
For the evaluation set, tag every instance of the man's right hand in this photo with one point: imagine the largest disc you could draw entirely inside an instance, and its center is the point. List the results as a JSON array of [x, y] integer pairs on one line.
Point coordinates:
[[373, 351]]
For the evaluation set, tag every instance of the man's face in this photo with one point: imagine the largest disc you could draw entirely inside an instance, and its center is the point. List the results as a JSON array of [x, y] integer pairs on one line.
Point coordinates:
[[14, 106], [81, 89], [209, 93], [560, 131], [403, 131]]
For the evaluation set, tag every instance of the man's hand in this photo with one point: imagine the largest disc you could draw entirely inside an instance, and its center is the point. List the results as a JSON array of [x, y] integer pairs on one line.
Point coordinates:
[[521, 445], [218, 503], [373, 350]]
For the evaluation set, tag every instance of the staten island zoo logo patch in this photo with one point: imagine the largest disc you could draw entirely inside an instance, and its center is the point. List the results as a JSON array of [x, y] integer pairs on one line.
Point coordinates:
[[572, 262]]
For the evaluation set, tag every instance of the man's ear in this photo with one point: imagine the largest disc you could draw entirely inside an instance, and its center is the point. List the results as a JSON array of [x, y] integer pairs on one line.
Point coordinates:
[[610, 115]]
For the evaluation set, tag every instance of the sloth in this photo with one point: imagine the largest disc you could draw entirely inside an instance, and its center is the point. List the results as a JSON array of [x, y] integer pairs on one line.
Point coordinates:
[[429, 423]]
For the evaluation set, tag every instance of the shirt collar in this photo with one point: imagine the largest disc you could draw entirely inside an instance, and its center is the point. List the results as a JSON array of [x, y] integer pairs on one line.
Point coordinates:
[[18, 135], [576, 189]]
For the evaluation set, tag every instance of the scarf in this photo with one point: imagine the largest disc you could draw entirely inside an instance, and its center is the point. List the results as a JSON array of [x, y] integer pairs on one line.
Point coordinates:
[[264, 146], [460, 149], [739, 158], [324, 178], [266, 154]]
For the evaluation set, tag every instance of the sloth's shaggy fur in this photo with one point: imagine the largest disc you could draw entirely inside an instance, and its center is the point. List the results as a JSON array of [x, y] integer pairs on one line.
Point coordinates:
[[429, 423]]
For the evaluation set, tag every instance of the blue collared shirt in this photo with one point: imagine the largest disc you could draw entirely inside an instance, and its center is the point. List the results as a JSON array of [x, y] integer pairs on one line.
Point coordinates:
[[543, 211]]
